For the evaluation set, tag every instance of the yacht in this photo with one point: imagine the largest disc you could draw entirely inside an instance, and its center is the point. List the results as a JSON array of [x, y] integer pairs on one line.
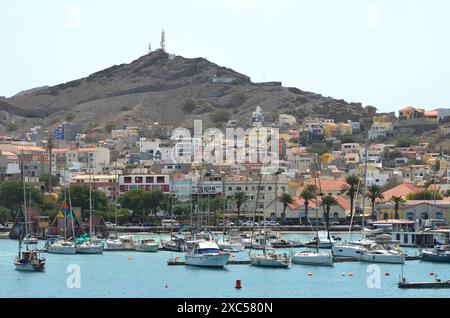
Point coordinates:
[[379, 254], [206, 254], [149, 245], [321, 240], [313, 258], [122, 243], [350, 249], [89, 248], [271, 259], [61, 247]]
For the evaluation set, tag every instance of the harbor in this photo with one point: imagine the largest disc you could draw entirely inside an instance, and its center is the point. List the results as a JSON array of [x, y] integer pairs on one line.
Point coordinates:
[[150, 275]]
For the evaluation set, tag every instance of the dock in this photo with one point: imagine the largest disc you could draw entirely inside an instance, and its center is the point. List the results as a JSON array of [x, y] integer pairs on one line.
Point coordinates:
[[424, 285]]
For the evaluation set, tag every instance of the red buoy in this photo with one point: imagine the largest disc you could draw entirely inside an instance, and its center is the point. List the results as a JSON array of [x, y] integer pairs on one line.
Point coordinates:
[[238, 284], [432, 274], [350, 274], [387, 274]]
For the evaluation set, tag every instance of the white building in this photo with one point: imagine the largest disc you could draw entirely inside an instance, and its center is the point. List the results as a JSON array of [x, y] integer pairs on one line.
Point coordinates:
[[286, 119], [257, 117]]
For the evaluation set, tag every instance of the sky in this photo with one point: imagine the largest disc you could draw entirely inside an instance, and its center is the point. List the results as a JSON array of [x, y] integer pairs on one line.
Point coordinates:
[[388, 54]]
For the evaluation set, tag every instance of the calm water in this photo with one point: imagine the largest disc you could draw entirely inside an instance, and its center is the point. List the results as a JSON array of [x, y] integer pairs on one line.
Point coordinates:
[[132, 274]]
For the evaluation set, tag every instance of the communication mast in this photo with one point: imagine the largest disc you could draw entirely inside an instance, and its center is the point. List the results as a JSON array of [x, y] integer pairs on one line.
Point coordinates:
[[163, 41], [149, 47]]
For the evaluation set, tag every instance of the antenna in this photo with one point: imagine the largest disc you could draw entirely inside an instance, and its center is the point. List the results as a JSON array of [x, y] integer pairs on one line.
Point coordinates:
[[149, 47], [163, 40]]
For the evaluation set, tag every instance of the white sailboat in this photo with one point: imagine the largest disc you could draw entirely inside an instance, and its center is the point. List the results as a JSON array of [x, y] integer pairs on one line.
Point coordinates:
[[315, 257], [379, 254], [62, 247], [90, 247], [268, 258], [122, 243]]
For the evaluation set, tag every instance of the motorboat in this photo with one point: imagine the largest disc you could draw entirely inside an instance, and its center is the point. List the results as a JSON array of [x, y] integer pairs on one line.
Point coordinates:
[[176, 244], [206, 254], [271, 259], [29, 261], [350, 249], [313, 258], [149, 245], [122, 243], [378, 253]]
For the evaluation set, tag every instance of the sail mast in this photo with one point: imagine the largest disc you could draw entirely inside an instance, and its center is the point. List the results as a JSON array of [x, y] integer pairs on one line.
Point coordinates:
[[90, 204]]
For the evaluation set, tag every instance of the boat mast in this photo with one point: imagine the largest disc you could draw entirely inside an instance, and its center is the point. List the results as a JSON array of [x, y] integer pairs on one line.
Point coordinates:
[[264, 209], [315, 199], [90, 203], [365, 180], [117, 192]]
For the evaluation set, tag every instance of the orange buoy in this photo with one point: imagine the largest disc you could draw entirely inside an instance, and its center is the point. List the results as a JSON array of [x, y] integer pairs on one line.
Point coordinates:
[[350, 274], [238, 284]]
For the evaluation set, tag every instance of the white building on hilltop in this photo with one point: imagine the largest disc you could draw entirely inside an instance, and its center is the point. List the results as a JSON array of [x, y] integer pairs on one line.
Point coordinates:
[[257, 117]]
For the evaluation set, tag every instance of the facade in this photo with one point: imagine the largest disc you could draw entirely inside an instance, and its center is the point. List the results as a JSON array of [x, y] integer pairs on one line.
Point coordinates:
[[104, 183], [146, 182]]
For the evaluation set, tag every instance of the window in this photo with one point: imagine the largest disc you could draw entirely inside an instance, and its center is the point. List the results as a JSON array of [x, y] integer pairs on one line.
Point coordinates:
[[138, 179], [159, 179], [439, 215], [269, 188], [149, 180], [127, 180]]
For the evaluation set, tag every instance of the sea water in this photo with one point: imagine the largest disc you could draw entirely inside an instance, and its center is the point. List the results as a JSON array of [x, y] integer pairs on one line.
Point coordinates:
[[135, 274]]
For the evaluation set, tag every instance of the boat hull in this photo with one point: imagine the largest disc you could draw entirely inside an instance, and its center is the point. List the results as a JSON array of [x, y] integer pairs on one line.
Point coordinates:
[[437, 258], [353, 251], [29, 267], [313, 259], [152, 248], [388, 259], [216, 260], [92, 249], [67, 250], [269, 262]]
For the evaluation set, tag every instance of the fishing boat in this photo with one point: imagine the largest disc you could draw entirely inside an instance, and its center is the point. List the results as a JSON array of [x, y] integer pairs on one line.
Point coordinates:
[[206, 254], [122, 243], [149, 245], [439, 254]]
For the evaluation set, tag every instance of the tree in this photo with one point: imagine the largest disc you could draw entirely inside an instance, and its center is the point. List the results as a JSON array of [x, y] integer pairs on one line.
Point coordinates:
[[240, 198], [45, 178], [11, 195], [407, 142], [308, 193], [351, 188], [328, 202], [189, 105], [220, 116], [285, 199], [141, 202], [79, 197], [398, 201], [374, 193], [318, 148], [5, 215]]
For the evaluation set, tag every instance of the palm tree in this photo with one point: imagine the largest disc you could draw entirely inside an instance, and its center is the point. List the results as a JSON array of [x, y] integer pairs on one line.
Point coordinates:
[[446, 194], [374, 193], [240, 198], [286, 199], [328, 202], [397, 200], [351, 188], [308, 193]]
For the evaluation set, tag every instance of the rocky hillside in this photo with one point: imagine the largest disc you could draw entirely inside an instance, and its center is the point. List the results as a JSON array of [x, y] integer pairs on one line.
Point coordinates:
[[168, 90]]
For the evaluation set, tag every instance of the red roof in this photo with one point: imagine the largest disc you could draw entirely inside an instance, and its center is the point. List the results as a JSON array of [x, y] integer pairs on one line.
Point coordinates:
[[327, 185], [299, 202], [401, 190]]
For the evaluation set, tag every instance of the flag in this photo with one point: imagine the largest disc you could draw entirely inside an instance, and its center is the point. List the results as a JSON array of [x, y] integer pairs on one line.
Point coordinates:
[[66, 210]]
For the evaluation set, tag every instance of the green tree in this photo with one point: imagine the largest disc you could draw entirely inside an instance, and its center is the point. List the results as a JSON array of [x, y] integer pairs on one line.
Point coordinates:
[[220, 116], [285, 199], [189, 105], [407, 141], [239, 198], [11, 195], [398, 201], [318, 148], [308, 193], [374, 193], [44, 178], [351, 188], [328, 202], [141, 202], [5, 215], [79, 195]]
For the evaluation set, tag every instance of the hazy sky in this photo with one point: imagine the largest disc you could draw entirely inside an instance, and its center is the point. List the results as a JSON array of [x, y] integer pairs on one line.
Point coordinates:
[[382, 53]]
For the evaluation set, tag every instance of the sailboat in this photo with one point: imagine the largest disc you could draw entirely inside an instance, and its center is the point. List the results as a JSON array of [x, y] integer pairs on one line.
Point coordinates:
[[268, 258], [63, 246], [28, 260], [88, 246], [315, 257]]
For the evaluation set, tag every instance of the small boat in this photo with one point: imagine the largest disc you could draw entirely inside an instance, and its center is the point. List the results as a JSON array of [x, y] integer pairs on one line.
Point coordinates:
[[30, 261], [439, 254], [61, 247], [313, 258], [149, 245], [282, 243], [231, 246], [321, 240], [271, 259], [122, 243], [206, 254], [89, 248]]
